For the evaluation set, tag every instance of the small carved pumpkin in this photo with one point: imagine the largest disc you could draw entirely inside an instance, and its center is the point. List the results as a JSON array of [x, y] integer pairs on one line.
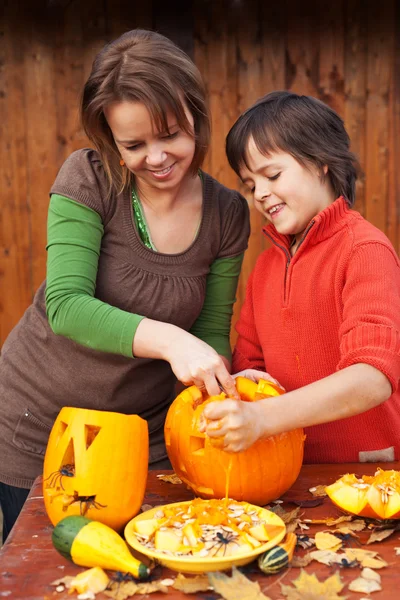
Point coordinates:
[[96, 466], [377, 496], [258, 475]]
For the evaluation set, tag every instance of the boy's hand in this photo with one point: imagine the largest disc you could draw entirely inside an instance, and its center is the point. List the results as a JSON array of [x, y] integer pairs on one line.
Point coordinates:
[[239, 423], [256, 375]]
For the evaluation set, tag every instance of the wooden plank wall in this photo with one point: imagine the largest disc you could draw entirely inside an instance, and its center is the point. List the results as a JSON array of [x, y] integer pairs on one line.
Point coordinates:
[[346, 53]]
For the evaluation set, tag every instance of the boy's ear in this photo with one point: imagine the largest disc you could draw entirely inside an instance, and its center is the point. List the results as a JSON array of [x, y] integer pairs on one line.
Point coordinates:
[[325, 169]]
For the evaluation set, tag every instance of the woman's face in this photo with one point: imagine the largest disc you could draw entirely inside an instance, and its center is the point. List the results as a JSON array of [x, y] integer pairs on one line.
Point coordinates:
[[288, 194], [158, 159]]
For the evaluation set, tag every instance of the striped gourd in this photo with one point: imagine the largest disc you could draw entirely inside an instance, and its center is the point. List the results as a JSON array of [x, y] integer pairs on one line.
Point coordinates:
[[277, 558]]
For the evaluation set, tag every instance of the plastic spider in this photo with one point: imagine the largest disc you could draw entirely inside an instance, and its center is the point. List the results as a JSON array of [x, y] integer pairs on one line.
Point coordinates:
[[348, 564], [222, 541], [55, 478], [119, 578], [347, 538], [86, 502]]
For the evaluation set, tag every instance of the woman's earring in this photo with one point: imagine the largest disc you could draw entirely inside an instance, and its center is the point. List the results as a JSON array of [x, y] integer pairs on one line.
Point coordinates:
[[122, 162]]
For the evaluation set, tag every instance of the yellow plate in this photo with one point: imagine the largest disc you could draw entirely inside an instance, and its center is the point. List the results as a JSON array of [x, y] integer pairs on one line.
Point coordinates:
[[185, 564]]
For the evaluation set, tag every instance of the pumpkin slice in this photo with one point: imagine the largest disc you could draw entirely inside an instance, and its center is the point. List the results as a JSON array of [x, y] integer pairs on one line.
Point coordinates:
[[376, 497]]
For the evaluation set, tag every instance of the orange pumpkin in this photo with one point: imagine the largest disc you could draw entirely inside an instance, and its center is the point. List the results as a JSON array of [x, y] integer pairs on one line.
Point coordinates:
[[258, 475], [376, 496], [96, 465]]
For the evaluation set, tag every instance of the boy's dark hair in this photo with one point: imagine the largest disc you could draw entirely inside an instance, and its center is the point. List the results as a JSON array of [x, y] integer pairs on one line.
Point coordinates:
[[144, 66], [302, 126]]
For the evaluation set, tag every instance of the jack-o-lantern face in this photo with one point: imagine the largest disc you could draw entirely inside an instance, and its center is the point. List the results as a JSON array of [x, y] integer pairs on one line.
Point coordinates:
[[96, 465], [258, 475]]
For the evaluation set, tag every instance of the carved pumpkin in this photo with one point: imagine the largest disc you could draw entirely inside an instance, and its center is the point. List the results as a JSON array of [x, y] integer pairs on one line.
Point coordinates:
[[258, 475], [96, 466], [376, 496]]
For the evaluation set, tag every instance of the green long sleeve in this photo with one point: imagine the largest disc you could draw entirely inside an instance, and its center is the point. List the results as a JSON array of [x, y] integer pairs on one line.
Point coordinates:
[[74, 234], [74, 240], [213, 325]]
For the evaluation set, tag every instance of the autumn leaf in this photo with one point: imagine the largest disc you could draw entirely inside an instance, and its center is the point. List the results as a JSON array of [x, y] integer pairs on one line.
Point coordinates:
[[301, 561], [318, 491], [192, 585], [327, 541], [378, 536], [287, 517], [367, 558], [357, 525], [237, 586], [368, 582], [126, 589], [170, 478], [329, 521], [326, 557], [308, 587]]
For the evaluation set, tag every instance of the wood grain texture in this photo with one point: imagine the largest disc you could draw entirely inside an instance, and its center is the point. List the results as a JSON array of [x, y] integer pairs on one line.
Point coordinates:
[[345, 53]]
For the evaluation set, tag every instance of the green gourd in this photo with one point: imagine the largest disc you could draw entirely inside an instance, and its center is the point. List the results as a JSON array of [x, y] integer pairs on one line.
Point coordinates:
[[278, 558], [92, 544]]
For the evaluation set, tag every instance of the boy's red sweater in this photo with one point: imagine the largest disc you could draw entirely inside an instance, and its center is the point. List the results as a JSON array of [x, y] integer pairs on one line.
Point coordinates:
[[335, 303]]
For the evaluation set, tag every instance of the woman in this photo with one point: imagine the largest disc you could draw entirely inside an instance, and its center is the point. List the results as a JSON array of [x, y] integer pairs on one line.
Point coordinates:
[[144, 253]]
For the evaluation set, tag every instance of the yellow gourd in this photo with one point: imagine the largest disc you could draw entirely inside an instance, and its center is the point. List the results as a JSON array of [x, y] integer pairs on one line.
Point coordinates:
[[92, 544]]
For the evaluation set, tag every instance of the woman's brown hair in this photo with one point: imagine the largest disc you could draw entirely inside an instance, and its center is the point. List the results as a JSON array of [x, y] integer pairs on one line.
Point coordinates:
[[143, 66], [302, 126]]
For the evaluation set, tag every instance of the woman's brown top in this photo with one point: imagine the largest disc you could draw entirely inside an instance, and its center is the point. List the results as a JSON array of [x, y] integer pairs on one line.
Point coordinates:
[[41, 372]]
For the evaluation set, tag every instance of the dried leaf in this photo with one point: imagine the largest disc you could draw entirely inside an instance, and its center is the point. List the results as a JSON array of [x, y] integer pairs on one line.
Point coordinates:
[[327, 541], [343, 519], [291, 527], [359, 553], [170, 478], [329, 521], [308, 587], [126, 589], [237, 586], [368, 582], [364, 585], [374, 563], [370, 574], [318, 491], [367, 558], [301, 561], [151, 586], [326, 557], [191, 585], [287, 517], [357, 525], [378, 536]]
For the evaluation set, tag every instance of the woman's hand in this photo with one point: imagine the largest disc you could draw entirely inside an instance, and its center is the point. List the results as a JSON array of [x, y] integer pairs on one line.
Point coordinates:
[[238, 423], [193, 361], [256, 375]]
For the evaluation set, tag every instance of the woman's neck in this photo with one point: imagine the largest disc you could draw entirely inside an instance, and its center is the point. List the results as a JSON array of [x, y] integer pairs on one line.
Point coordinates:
[[166, 200]]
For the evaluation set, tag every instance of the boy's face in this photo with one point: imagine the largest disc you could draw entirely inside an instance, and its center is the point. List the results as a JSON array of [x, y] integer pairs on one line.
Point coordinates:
[[284, 191]]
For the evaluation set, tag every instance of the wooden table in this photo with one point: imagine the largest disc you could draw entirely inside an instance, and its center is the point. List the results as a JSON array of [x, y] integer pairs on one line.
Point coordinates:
[[29, 563]]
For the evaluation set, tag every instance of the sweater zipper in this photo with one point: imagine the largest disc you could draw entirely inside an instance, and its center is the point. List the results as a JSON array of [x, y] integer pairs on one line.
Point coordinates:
[[288, 256]]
